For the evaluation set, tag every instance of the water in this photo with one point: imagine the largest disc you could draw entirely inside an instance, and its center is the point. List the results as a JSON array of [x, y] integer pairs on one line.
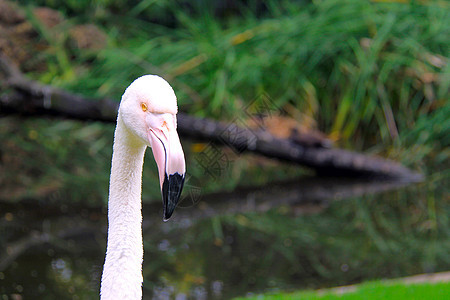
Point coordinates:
[[308, 233]]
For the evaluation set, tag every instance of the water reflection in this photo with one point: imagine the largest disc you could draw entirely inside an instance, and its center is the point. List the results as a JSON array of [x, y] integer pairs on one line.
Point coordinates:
[[284, 236]]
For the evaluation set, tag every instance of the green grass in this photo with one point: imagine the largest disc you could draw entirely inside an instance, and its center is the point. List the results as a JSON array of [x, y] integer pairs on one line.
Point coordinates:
[[372, 290]]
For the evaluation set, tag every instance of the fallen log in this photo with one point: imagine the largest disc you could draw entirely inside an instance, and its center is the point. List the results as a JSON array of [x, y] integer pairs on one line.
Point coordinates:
[[20, 95]]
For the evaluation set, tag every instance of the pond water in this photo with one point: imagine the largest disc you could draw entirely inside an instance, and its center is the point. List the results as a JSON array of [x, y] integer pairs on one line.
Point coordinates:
[[308, 233]]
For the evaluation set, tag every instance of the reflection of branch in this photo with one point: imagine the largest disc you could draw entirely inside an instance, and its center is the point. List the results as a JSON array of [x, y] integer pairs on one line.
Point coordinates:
[[303, 196], [29, 97]]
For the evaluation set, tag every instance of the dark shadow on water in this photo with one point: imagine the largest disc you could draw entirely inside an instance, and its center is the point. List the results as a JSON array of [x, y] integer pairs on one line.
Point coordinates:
[[291, 235]]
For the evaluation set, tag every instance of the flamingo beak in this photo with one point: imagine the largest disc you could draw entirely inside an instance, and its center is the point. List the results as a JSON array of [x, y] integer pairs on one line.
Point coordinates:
[[169, 157]]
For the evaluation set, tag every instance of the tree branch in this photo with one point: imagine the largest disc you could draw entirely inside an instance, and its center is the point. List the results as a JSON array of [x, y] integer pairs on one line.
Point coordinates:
[[27, 97]]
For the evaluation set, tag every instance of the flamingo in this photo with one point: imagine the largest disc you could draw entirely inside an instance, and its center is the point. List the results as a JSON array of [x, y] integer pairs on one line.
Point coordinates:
[[146, 117]]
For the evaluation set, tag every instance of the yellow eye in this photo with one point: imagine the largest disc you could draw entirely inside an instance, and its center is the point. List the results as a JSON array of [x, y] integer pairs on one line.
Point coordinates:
[[144, 107]]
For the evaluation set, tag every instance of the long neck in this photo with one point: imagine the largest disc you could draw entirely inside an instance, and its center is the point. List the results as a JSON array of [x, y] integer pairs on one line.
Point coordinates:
[[122, 272]]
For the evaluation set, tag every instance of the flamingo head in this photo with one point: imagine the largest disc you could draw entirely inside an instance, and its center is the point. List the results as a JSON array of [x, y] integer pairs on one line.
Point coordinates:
[[148, 109]]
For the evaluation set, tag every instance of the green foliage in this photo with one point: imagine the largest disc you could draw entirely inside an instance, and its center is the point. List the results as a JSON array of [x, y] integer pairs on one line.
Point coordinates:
[[374, 75], [369, 73]]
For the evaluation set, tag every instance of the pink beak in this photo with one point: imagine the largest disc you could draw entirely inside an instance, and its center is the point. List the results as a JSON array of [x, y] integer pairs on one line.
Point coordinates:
[[169, 156]]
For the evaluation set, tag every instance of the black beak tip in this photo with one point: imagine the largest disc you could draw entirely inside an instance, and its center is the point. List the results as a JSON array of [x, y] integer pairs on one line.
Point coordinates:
[[171, 192], [168, 211]]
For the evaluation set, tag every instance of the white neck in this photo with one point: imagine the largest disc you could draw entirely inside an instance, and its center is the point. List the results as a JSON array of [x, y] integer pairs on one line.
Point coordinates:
[[122, 272]]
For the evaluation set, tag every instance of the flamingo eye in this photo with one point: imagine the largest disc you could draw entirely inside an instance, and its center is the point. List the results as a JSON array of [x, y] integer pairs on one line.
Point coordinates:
[[144, 106]]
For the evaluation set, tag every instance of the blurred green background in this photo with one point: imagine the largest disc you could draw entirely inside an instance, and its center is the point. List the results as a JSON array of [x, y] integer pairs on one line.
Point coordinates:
[[372, 75]]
